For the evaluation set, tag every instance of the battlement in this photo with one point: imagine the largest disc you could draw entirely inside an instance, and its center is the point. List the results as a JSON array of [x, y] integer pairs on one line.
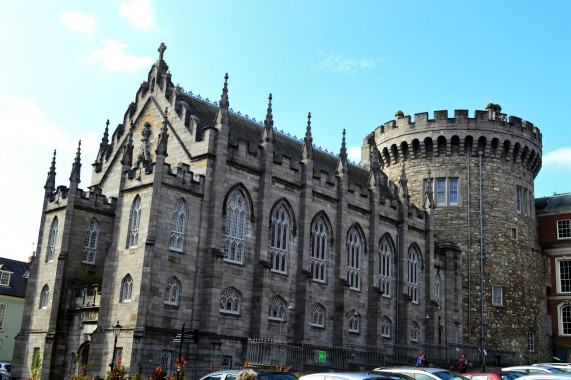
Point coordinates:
[[482, 120], [183, 177]]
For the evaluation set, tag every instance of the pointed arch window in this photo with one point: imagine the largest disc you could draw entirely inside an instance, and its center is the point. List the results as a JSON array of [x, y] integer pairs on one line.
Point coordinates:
[[415, 332], [178, 226], [126, 288], [279, 240], [386, 327], [235, 228], [230, 301], [385, 259], [172, 291], [413, 274], [437, 288], [277, 310], [319, 250], [354, 259], [44, 297], [317, 315], [134, 221], [354, 322], [90, 242], [52, 240]]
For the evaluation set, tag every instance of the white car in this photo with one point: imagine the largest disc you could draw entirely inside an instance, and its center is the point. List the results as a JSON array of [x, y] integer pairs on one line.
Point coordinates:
[[532, 369], [5, 368], [423, 373], [547, 376]]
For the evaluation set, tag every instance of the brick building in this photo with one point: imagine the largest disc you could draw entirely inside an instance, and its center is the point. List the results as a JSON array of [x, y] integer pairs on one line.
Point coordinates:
[[553, 221], [198, 215]]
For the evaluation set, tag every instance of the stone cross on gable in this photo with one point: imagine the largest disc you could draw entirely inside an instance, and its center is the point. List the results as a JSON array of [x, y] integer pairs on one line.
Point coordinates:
[[161, 50]]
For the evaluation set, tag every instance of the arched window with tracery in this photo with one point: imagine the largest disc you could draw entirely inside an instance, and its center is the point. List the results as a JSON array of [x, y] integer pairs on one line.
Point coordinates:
[[413, 262], [385, 259], [277, 309], [126, 288], [230, 301], [134, 222], [172, 291], [354, 259], [178, 226], [279, 240], [317, 315], [319, 250], [235, 227], [90, 242], [415, 332], [52, 240], [354, 322], [44, 297], [386, 327]]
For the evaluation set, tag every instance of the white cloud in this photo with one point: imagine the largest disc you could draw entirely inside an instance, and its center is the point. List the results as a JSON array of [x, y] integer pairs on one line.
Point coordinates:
[[343, 64], [354, 154], [21, 201], [112, 57], [80, 22], [139, 13], [560, 157]]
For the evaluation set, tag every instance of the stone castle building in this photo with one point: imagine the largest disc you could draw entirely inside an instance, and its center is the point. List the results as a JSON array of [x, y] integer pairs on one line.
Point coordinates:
[[198, 215]]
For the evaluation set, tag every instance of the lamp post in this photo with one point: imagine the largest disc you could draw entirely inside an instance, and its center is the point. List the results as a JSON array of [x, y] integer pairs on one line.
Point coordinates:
[[116, 331]]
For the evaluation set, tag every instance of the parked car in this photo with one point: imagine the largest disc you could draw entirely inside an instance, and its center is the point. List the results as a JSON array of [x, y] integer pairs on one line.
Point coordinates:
[[547, 376], [5, 368], [532, 369], [355, 376], [263, 374], [423, 373], [565, 367], [492, 376]]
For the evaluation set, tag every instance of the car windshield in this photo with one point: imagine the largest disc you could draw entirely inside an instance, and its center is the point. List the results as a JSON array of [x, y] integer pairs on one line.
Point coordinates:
[[8, 367], [276, 376], [508, 377], [449, 376], [397, 377]]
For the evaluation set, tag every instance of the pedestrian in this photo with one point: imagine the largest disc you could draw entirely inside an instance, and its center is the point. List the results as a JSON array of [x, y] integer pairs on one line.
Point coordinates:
[[463, 364], [421, 361]]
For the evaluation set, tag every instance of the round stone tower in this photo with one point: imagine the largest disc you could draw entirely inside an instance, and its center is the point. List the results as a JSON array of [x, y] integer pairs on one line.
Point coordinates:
[[478, 175]]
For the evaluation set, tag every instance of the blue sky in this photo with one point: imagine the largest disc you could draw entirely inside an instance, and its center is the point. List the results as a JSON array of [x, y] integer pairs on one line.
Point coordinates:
[[67, 67]]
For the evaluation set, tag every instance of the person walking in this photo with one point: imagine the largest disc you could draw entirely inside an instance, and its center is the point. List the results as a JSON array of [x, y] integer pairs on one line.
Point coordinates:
[[463, 364], [420, 362]]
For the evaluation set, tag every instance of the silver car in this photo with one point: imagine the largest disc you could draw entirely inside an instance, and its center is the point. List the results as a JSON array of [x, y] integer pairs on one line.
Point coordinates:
[[355, 376], [423, 373]]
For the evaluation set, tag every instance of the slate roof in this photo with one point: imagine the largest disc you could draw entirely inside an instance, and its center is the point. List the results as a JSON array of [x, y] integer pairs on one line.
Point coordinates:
[[250, 131], [559, 201], [18, 282]]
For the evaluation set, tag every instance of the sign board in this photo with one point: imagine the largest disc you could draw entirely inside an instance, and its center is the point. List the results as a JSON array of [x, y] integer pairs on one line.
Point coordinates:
[[322, 356]]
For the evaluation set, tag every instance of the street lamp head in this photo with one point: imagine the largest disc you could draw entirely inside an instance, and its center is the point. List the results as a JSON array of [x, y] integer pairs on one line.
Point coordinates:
[[117, 329]]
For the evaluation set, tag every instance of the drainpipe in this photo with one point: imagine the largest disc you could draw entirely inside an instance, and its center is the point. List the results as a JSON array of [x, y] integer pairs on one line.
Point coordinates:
[[398, 289], [480, 153], [469, 251]]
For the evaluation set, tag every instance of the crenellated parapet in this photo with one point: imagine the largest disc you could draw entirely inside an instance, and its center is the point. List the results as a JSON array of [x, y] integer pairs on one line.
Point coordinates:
[[491, 132]]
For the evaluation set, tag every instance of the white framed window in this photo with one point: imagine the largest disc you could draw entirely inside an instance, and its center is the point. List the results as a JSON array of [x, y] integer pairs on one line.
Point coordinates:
[[354, 252], [453, 191], [386, 327], [236, 216], [44, 297], [277, 309], [90, 242], [5, 278], [319, 250], [440, 192], [385, 268], [178, 226], [166, 360], [497, 295], [134, 222], [230, 301], [172, 291], [518, 199], [126, 288], [52, 241], [563, 229], [3, 309], [355, 322], [317, 315], [415, 332], [563, 275], [413, 274], [530, 342], [279, 240], [565, 319], [437, 280]]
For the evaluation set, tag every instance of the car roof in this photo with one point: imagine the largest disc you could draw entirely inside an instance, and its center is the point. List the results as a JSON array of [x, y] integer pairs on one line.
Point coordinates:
[[353, 375], [546, 376], [515, 368], [422, 369], [259, 371]]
